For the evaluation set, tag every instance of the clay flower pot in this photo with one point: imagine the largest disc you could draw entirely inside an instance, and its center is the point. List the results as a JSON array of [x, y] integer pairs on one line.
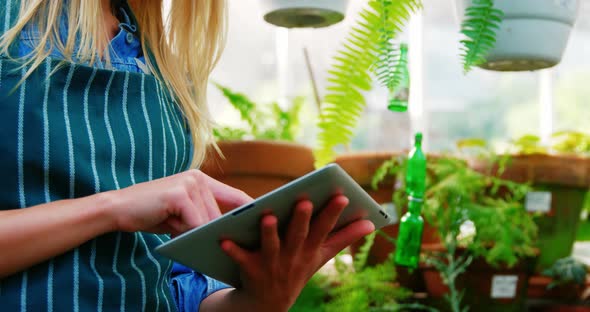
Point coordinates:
[[486, 288], [258, 167]]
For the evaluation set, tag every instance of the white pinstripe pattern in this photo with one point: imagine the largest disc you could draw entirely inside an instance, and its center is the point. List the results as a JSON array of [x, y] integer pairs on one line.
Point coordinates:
[[110, 130], [176, 119], [50, 266], [21, 177], [158, 269], [7, 15], [141, 276], [69, 130], [165, 109], [149, 129], [164, 286], [100, 280], [121, 278], [128, 124], [163, 130], [165, 106], [90, 135], [1, 65], [76, 260]]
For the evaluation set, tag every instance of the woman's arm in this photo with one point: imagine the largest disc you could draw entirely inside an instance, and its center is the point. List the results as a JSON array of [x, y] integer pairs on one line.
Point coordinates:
[[170, 205], [31, 235]]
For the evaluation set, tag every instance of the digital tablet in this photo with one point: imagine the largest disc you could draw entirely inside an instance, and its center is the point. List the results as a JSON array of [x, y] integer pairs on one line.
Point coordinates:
[[200, 248]]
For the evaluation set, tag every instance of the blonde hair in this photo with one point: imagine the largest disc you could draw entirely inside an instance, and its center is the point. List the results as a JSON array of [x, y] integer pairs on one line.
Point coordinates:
[[185, 47]]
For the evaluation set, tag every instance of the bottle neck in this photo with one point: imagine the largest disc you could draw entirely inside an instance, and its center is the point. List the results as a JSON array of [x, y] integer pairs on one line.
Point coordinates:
[[415, 205]]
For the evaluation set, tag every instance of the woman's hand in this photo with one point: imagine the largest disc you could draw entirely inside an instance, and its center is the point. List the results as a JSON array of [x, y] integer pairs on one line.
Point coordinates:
[[273, 276], [174, 204]]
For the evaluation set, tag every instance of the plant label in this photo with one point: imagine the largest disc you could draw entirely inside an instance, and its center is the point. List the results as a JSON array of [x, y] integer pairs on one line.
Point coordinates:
[[538, 202], [504, 286]]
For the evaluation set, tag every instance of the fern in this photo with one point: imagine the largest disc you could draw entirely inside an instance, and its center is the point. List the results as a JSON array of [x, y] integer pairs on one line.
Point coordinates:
[[366, 49], [361, 257], [481, 22]]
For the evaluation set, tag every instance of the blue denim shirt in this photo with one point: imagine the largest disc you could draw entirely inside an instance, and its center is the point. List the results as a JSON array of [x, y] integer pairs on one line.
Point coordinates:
[[188, 288]]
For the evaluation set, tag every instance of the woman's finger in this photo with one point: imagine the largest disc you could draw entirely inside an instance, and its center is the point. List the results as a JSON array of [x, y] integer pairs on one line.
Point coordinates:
[[325, 221], [298, 228], [270, 242], [208, 200], [345, 237], [238, 254], [225, 195]]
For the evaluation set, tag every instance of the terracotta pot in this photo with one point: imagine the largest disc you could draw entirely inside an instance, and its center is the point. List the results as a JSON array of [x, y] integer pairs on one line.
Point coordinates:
[[258, 167], [486, 288], [567, 179]]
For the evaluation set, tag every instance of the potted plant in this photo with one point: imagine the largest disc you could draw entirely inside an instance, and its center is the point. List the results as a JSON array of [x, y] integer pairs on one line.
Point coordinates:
[[517, 34], [565, 281], [559, 174], [486, 238], [303, 13], [263, 156]]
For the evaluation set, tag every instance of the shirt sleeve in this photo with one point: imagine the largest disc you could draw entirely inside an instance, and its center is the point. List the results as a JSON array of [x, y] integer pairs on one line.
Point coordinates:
[[189, 288]]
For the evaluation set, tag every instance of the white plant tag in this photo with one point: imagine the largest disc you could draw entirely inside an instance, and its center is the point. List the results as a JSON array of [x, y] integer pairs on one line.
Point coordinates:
[[538, 202], [504, 286]]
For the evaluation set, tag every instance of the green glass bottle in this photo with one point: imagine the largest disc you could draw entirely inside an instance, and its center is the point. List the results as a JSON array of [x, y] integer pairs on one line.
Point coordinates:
[[398, 97], [416, 169], [409, 239]]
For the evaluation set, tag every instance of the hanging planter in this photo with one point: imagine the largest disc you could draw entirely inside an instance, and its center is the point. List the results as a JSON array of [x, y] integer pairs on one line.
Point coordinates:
[[304, 13], [533, 34]]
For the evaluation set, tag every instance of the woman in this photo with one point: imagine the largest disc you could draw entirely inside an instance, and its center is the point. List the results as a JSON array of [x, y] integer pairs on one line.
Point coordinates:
[[103, 112]]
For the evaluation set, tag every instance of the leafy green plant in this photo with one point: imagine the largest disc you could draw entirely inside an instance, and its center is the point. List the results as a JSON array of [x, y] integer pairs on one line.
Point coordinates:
[[367, 49], [457, 195], [365, 288], [482, 20], [565, 271], [354, 288], [571, 142], [276, 124], [562, 142]]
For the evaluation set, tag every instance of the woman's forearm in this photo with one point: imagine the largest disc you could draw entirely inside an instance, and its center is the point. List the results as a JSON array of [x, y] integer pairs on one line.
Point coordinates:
[[32, 235]]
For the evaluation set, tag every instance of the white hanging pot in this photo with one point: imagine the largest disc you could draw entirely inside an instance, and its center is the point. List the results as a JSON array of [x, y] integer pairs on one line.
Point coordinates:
[[304, 13], [533, 33]]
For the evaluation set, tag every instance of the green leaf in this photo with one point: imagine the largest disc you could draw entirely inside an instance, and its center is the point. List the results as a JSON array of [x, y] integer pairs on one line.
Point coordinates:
[[481, 22], [365, 51]]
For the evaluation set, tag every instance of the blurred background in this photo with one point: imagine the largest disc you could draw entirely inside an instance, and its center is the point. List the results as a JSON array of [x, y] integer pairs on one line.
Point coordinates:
[[267, 64]]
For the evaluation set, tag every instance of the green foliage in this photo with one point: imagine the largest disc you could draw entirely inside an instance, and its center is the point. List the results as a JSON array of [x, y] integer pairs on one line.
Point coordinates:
[[368, 288], [276, 124], [571, 142], [528, 144], [313, 295], [450, 266], [481, 22], [366, 49], [565, 271], [505, 232], [562, 142]]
